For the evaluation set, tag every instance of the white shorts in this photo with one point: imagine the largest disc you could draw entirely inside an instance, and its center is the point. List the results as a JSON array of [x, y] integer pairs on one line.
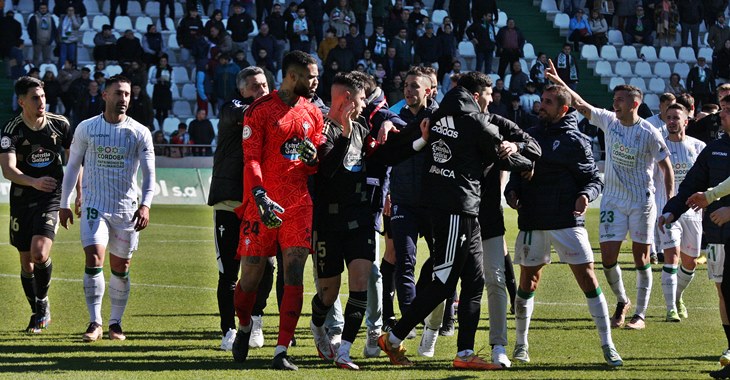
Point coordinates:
[[532, 248], [619, 217], [114, 231], [715, 261], [685, 234]]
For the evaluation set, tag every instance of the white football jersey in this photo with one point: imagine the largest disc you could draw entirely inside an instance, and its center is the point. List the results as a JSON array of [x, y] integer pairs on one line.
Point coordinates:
[[684, 154]]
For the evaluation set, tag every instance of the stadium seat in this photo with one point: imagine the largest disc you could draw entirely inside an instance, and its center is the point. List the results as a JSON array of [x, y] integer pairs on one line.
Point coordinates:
[[152, 9], [88, 38], [502, 21], [172, 42], [181, 108], [84, 24], [170, 125], [255, 31], [643, 69], [528, 51], [19, 18], [179, 11], [590, 54], [648, 53], [141, 23], [169, 22], [92, 8], [667, 54], [175, 90], [122, 23], [550, 8], [82, 54], [279, 77], [48, 67], [638, 82], [562, 21], [608, 52], [687, 54], [466, 51], [495, 77], [215, 121], [150, 88], [615, 37], [623, 69], [26, 40], [113, 70], [603, 68], [189, 92], [507, 80], [134, 8], [628, 53], [707, 53], [657, 85], [652, 101], [615, 81], [662, 70], [99, 21], [438, 16], [25, 7], [682, 69], [180, 75]]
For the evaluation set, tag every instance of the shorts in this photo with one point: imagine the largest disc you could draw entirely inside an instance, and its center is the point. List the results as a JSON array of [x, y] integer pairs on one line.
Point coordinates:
[[532, 248], [619, 217], [256, 239], [685, 234], [28, 222], [335, 249], [114, 231], [715, 262]]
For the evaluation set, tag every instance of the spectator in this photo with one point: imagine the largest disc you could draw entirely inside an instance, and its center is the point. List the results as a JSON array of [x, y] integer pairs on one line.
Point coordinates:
[[721, 61], [70, 24], [701, 83], [532, 117], [446, 81], [379, 13], [459, 13], [390, 64], [66, 76], [180, 138], [153, 45], [34, 72], [164, 4], [529, 98], [420, 29], [100, 80], [356, 41], [129, 48], [639, 28], [240, 59], [201, 131], [341, 17], [378, 43], [61, 7], [395, 11], [187, 31], [78, 87], [100, 67], [264, 40], [483, 36], [12, 32], [394, 90], [91, 104], [261, 63], [379, 74], [448, 49], [240, 25], [224, 82], [579, 30], [105, 44], [625, 9], [16, 61], [690, 17], [566, 67], [300, 32], [221, 40], [666, 17], [52, 89], [499, 87], [481, 7], [719, 33], [395, 27], [427, 48], [509, 46], [403, 48], [571, 6], [216, 19], [42, 31], [277, 26], [599, 28], [415, 19], [329, 42], [161, 78], [712, 11], [248, 5], [159, 140], [315, 12], [516, 114], [675, 85], [537, 72], [136, 74], [343, 55], [518, 81], [140, 107], [368, 63]]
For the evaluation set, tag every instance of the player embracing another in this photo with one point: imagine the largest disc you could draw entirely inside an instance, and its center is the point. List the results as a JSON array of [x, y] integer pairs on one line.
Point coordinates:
[[280, 138]]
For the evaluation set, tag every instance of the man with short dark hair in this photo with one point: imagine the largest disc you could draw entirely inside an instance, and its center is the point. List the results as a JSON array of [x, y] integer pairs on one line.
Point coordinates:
[[30, 158]]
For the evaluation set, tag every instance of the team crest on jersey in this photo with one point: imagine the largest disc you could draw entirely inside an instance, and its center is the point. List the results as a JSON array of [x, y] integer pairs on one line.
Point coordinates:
[[305, 125], [246, 132], [441, 152], [40, 158], [5, 142], [556, 144], [289, 148]]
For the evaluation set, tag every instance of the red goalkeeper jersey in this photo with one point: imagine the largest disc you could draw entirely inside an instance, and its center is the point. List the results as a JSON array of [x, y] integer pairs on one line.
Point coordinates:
[[271, 133]]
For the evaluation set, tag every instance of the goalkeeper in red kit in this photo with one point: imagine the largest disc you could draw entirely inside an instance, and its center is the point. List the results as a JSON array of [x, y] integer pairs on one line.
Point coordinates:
[[280, 136]]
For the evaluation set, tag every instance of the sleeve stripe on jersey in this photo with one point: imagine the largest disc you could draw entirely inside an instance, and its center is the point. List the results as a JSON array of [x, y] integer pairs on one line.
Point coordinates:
[[14, 123]]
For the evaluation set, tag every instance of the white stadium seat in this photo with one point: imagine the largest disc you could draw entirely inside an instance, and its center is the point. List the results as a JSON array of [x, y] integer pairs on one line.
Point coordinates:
[[648, 53], [687, 54], [707, 53], [48, 67], [99, 21], [652, 101], [189, 92], [152, 9], [181, 108], [615, 81], [438, 16], [170, 125], [528, 51], [667, 54], [657, 85], [134, 8], [643, 69], [682, 69], [615, 37], [88, 39], [180, 75], [628, 53], [113, 70], [662, 70], [122, 23], [603, 68], [562, 21], [589, 52], [141, 23], [623, 69], [608, 52], [175, 90], [638, 82]]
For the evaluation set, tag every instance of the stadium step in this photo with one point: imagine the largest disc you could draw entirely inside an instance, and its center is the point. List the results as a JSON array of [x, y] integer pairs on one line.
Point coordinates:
[[541, 34]]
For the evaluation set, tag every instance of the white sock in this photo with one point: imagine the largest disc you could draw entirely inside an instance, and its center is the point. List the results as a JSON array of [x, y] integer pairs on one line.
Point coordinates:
[[119, 295], [598, 308], [278, 349], [684, 277], [344, 348], [435, 318], [94, 291], [643, 289], [524, 305], [464, 353], [613, 275], [669, 285]]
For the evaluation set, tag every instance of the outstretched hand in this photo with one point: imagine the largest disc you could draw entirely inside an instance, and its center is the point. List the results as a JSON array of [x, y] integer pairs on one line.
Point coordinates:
[[552, 74]]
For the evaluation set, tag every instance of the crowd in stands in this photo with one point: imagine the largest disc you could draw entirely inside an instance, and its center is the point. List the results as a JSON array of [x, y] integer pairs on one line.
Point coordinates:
[[213, 40]]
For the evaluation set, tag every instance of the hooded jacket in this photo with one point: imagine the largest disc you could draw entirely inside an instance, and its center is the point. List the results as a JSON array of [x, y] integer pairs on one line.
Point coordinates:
[[462, 144], [565, 171]]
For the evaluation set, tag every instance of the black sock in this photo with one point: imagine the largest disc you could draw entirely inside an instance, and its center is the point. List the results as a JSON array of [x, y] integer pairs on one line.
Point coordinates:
[[354, 314], [319, 311], [27, 280], [727, 334], [509, 278], [42, 274], [387, 269]]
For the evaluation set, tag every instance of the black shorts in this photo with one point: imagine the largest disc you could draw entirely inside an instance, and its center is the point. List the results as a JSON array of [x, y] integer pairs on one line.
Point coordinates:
[[28, 222], [334, 249]]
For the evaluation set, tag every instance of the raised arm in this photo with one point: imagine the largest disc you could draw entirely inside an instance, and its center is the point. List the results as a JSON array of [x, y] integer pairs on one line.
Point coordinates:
[[578, 102]]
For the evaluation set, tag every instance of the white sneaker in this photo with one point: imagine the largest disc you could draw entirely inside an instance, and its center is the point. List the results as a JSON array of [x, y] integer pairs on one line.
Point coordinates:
[[428, 342], [335, 341], [371, 349], [257, 333], [725, 358], [322, 343], [227, 342], [343, 361], [499, 356]]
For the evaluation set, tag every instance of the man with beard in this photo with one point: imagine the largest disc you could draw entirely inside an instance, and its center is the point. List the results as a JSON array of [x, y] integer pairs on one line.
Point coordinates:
[[280, 139]]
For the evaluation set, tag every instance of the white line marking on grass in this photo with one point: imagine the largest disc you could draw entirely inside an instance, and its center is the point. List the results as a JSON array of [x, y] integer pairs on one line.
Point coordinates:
[[182, 226]]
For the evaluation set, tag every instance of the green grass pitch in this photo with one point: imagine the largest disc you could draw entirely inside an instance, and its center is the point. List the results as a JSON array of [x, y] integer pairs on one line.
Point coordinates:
[[172, 326]]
